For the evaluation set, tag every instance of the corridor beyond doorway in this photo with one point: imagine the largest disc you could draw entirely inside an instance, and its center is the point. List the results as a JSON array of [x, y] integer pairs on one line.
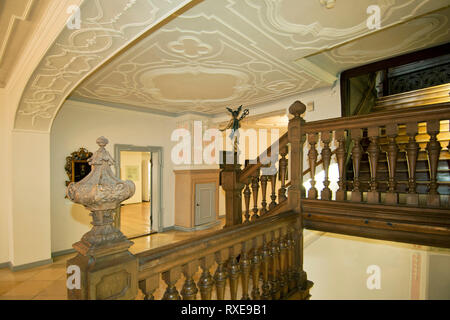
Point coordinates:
[[135, 219], [136, 212]]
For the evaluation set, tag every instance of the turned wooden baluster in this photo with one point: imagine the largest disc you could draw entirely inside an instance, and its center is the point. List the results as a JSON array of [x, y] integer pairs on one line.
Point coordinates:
[[433, 153], [221, 275], [206, 281], [284, 288], [255, 189], [412, 153], [373, 196], [392, 155], [266, 256], [282, 171], [291, 266], [170, 278], [234, 270], [263, 193], [275, 266], [256, 267], [149, 286], [326, 158], [357, 153], [245, 266], [341, 193], [312, 158], [247, 194], [273, 196], [190, 290]]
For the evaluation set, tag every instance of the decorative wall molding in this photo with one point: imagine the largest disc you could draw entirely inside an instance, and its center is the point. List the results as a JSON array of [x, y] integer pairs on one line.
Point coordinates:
[[13, 22]]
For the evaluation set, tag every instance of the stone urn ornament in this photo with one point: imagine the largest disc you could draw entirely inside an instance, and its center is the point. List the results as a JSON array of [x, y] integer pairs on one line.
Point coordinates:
[[101, 192]]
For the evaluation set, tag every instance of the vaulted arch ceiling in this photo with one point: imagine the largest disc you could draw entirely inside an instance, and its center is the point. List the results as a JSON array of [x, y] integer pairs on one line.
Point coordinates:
[[219, 52], [106, 27], [230, 52]]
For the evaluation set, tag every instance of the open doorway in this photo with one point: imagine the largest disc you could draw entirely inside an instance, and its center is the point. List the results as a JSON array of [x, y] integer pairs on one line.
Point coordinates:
[[139, 215]]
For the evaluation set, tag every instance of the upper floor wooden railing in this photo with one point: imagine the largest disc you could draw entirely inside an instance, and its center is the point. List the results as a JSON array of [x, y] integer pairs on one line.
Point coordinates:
[[417, 133]]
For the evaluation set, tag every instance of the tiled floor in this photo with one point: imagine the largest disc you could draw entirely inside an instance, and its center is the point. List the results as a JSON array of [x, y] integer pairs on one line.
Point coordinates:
[[49, 282]]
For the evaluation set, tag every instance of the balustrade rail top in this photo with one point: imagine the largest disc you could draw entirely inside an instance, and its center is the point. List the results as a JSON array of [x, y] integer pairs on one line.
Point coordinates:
[[251, 169], [179, 253], [417, 114]]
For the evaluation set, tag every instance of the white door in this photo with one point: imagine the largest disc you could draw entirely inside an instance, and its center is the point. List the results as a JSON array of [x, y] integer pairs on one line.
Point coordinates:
[[205, 204]]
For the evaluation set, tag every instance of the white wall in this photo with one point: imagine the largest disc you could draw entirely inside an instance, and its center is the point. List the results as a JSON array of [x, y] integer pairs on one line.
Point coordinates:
[[338, 265], [79, 125], [5, 187], [30, 197], [327, 104]]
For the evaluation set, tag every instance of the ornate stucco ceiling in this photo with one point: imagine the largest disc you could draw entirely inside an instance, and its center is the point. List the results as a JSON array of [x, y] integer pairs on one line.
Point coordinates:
[[228, 52]]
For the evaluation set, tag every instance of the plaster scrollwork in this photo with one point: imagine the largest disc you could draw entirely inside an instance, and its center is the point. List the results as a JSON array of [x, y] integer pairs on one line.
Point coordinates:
[[106, 27], [189, 46], [329, 32], [182, 55], [430, 29]]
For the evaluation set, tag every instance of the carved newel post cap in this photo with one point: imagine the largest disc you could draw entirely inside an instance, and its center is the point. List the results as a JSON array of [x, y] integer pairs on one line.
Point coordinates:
[[100, 189], [297, 109]]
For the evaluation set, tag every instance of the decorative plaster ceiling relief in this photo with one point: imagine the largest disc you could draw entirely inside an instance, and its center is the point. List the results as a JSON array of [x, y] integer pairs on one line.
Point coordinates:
[[106, 27], [223, 53], [426, 31]]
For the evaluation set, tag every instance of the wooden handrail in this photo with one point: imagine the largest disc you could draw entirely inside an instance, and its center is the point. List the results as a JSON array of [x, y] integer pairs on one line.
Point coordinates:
[[252, 168], [418, 114], [166, 257]]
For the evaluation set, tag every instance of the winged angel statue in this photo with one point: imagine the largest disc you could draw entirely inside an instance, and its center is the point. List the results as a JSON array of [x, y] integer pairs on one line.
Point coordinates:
[[234, 124]]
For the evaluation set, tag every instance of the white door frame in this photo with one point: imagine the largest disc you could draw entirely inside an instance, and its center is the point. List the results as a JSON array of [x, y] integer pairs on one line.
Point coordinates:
[[154, 150]]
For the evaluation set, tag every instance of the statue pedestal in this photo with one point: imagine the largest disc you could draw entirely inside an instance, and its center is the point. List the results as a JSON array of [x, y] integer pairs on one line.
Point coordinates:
[[111, 273]]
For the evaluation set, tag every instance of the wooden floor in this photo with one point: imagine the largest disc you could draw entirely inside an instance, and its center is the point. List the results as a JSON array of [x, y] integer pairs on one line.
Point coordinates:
[[49, 282], [135, 219]]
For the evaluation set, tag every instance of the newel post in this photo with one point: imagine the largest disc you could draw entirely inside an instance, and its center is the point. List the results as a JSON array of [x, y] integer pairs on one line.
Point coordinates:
[[297, 139], [103, 268], [233, 189]]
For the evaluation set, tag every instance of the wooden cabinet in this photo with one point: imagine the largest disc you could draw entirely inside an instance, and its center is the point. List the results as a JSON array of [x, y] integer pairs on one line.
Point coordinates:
[[196, 199]]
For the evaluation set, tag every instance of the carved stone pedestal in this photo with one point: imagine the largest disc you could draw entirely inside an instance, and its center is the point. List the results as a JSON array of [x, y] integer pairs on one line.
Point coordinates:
[[108, 275], [104, 269]]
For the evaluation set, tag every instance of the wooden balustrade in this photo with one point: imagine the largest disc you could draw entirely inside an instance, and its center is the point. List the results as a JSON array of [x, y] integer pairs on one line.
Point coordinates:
[[251, 261], [382, 131], [373, 146], [263, 258]]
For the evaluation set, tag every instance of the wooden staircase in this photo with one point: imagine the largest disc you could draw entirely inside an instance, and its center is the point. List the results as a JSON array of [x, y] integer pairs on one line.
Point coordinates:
[[393, 187], [394, 176]]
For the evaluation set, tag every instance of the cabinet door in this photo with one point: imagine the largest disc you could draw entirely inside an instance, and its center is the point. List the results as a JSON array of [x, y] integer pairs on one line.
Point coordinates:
[[205, 203]]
